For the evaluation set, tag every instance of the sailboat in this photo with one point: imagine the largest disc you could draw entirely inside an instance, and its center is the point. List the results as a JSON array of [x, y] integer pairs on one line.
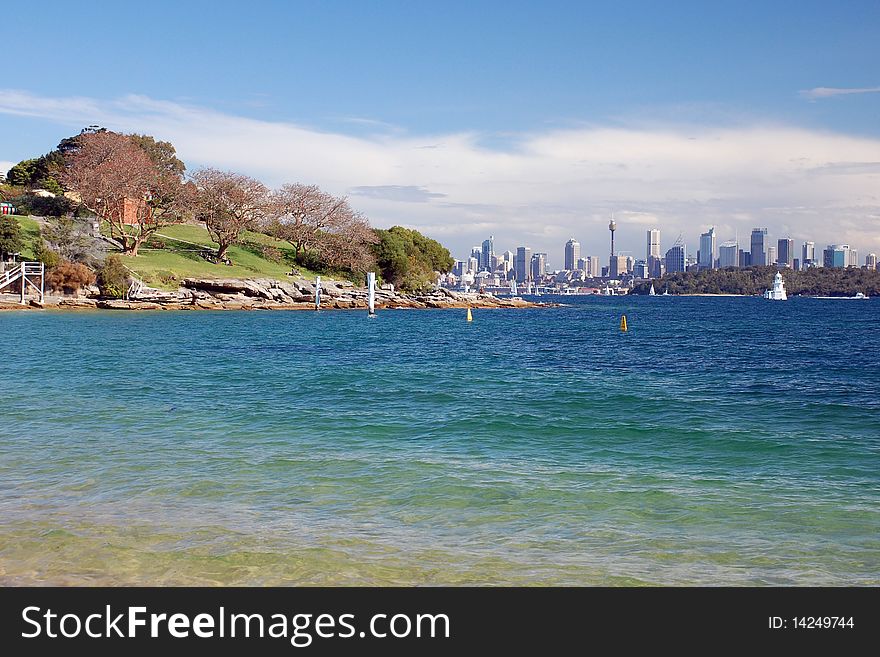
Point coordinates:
[[651, 291], [665, 292]]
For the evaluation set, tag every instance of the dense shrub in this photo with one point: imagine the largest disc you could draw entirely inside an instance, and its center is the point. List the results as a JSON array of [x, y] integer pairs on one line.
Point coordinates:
[[113, 278], [69, 277], [43, 253]]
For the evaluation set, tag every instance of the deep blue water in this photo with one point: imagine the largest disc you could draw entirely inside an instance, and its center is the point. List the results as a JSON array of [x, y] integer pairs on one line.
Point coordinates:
[[718, 441]]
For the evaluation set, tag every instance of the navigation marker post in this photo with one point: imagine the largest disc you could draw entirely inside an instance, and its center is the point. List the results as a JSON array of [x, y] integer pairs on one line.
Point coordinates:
[[371, 292]]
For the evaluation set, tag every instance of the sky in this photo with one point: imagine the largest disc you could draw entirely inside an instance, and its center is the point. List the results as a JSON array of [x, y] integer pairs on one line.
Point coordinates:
[[529, 121]]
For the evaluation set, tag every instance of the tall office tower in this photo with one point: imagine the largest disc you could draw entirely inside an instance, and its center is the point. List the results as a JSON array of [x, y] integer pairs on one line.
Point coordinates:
[[836, 256], [707, 249], [539, 266], [473, 265], [617, 266], [572, 254], [583, 264], [523, 263], [759, 247], [509, 258], [808, 255], [771, 255], [728, 254], [785, 252], [487, 253], [845, 257], [497, 263], [653, 248], [853, 258], [676, 258], [593, 268], [460, 268], [640, 269], [871, 261], [477, 252]]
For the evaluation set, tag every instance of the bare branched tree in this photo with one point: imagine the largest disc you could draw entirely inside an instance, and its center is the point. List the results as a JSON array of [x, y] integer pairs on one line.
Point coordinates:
[[313, 220], [119, 182], [229, 203]]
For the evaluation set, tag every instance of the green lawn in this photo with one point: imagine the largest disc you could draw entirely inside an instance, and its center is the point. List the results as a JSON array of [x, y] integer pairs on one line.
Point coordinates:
[[178, 252], [31, 232], [182, 256]]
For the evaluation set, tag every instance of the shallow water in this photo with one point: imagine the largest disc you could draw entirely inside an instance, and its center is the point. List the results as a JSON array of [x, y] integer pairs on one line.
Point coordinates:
[[719, 441]]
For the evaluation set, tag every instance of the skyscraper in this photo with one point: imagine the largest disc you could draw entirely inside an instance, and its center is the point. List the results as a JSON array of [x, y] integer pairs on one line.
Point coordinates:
[[853, 258], [771, 255], [728, 254], [676, 258], [539, 266], [707, 250], [477, 252], [759, 247], [836, 256], [572, 254], [871, 261], [653, 250], [487, 253], [808, 255], [522, 263], [785, 252]]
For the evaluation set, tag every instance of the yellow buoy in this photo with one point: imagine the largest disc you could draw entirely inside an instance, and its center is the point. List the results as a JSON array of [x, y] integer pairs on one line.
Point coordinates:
[[623, 323], [470, 316]]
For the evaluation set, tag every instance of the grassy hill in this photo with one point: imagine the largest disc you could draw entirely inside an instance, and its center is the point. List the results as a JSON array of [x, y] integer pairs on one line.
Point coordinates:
[[179, 252]]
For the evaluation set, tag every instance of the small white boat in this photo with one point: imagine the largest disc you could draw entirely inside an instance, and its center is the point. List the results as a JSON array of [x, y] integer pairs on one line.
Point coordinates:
[[778, 291], [651, 292]]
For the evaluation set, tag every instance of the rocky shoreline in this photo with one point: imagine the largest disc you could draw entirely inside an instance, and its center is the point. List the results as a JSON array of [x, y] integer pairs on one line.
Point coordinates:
[[270, 294]]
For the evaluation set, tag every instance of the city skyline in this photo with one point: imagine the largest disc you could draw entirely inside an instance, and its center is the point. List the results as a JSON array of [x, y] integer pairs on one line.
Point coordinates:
[[767, 122]]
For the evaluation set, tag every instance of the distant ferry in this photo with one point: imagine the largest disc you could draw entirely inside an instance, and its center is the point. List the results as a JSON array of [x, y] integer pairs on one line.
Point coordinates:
[[858, 295]]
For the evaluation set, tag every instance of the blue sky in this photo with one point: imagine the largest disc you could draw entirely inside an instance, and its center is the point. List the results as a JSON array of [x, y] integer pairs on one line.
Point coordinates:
[[498, 92]]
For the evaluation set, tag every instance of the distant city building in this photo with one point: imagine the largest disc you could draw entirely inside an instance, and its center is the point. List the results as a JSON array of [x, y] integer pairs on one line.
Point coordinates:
[[676, 259], [728, 254], [509, 258], [617, 266], [539, 266], [759, 247], [572, 254], [707, 250], [653, 250], [808, 255], [853, 258], [836, 256], [745, 258], [460, 268], [771, 255], [522, 263], [871, 261], [583, 264], [473, 265], [487, 253], [640, 269], [785, 252], [593, 267]]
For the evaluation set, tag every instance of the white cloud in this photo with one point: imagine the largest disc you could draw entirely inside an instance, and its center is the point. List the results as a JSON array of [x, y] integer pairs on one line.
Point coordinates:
[[542, 188], [828, 92]]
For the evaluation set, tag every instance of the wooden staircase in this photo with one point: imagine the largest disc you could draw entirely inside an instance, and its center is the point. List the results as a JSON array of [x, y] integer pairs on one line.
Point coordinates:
[[27, 273]]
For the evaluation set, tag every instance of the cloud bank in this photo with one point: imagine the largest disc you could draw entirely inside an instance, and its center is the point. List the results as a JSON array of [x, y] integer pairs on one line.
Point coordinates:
[[829, 92], [539, 188]]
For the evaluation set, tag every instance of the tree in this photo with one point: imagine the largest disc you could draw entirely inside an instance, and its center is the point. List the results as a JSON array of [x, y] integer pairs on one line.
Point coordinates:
[[229, 203], [71, 240], [118, 181], [162, 153], [410, 260], [22, 173], [316, 222], [10, 236]]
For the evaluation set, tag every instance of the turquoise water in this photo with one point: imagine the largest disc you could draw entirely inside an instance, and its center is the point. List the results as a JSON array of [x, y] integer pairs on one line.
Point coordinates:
[[719, 441]]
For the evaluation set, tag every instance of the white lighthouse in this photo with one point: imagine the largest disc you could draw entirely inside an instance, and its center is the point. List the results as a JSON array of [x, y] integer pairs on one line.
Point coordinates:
[[778, 291]]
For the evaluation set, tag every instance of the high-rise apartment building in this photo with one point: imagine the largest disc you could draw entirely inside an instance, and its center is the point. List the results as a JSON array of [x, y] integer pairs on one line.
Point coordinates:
[[522, 264], [487, 253], [707, 250], [785, 252], [759, 247], [539, 266], [728, 254], [871, 261], [808, 255], [676, 259], [572, 254]]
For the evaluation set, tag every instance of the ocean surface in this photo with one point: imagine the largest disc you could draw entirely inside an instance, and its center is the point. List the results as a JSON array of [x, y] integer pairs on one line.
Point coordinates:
[[718, 441]]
